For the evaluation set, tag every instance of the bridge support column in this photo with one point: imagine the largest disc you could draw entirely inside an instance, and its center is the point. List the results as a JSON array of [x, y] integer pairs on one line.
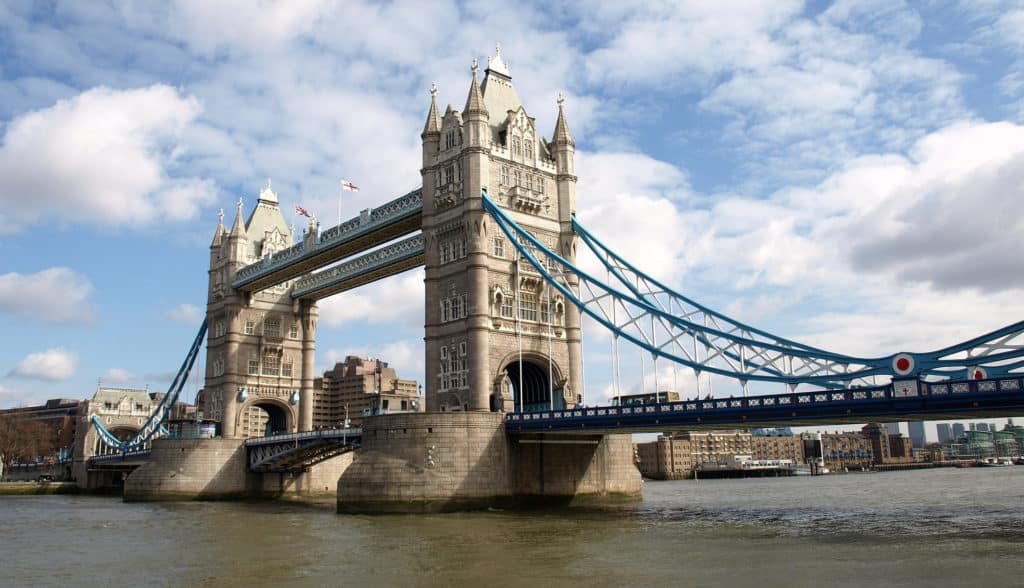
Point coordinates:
[[309, 317]]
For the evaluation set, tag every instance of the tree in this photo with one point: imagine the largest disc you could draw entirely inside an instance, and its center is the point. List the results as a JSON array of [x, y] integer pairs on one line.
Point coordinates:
[[22, 437]]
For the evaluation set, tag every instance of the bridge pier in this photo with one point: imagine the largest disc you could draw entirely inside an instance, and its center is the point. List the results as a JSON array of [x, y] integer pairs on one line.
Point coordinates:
[[437, 462], [218, 469]]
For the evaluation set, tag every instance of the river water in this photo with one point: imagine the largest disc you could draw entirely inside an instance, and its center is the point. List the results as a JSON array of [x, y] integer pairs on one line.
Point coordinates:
[[942, 527]]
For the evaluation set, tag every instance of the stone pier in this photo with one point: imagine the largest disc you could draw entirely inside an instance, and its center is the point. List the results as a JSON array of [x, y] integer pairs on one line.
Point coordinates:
[[217, 469], [457, 461]]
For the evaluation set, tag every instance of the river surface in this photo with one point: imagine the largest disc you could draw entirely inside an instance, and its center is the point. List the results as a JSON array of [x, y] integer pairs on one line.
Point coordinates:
[[943, 527]]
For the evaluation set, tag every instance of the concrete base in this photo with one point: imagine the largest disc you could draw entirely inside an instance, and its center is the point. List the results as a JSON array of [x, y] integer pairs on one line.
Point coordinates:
[[217, 469], [442, 461]]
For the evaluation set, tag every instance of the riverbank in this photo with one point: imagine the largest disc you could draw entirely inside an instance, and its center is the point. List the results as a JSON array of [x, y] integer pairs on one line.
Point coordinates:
[[37, 488]]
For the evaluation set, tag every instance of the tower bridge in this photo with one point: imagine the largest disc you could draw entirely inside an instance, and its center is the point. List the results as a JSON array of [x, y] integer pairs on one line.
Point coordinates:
[[494, 228]]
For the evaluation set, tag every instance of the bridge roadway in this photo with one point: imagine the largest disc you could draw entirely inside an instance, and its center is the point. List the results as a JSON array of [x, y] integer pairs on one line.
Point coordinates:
[[372, 228], [992, 398], [298, 451]]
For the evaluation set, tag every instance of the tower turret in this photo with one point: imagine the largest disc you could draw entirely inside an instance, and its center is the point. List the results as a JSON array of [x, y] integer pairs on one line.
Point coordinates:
[[475, 115]]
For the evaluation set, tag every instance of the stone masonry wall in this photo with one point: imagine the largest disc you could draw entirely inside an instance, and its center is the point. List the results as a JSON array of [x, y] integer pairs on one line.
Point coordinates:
[[427, 462]]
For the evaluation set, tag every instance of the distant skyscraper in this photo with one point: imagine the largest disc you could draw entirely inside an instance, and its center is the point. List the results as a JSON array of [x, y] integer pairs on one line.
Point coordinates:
[[917, 434], [945, 432], [981, 427], [958, 429]]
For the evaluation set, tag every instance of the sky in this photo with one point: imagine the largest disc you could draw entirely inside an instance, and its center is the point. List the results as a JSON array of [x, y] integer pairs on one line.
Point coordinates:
[[847, 174]]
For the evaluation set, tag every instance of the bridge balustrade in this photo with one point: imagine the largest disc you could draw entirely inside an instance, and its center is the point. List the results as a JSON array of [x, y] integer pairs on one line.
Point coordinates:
[[366, 222], [856, 396]]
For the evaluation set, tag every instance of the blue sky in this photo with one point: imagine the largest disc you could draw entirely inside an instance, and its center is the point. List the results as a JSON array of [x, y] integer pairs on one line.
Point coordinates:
[[848, 174]]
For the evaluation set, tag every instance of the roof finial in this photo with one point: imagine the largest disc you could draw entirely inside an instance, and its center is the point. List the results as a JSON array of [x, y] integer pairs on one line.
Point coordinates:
[[433, 89], [474, 67], [268, 183], [561, 99], [497, 49], [239, 205], [220, 216]]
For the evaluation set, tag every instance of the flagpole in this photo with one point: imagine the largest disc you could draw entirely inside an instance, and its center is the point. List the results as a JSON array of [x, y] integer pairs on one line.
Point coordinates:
[[340, 190]]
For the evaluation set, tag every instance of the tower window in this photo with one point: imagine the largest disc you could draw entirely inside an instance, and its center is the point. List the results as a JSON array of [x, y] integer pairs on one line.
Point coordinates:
[[527, 306], [506, 307], [286, 368], [254, 367], [293, 331], [272, 327], [250, 327], [504, 175], [499, 247]]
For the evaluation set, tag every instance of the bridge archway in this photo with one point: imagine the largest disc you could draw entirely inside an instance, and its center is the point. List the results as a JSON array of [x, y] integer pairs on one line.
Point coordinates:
[[261, 417], [122, 432], [540, 387]]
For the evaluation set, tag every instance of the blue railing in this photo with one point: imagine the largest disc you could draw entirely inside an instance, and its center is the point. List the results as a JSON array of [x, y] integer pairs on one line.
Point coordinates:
[[370, 220], [751, 404]]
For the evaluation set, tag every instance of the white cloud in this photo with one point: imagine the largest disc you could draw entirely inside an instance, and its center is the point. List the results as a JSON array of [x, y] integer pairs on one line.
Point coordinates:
[[118, 376], [54, 295], [104, 157], [52, 364], [397, 300], [186, 313]]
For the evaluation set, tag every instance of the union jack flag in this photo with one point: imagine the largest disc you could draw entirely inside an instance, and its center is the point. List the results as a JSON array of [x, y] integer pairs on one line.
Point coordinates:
[[302, 211]]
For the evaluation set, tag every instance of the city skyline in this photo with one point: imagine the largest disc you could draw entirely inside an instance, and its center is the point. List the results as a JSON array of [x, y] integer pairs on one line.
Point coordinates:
[[839, 174]]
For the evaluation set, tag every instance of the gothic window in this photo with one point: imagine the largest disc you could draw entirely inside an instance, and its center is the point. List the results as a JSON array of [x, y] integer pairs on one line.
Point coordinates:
[[449, 139], [529, 182], [504, 175], [271, 362], [516, 177], [540, 185], [527, 306], [218, 329], [461, 246], [286, 368], [272, 327], [254, 367], [250, 327], [449, 174], [516, 146], [499, 247], [444, 353], [293, 331], [529, 148], [446, 306], [545, 312], [506, 307], [462, 349]]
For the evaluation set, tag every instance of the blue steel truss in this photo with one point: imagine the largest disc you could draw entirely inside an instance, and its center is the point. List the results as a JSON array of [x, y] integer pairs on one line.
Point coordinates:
[[154, 424], [667, 324]]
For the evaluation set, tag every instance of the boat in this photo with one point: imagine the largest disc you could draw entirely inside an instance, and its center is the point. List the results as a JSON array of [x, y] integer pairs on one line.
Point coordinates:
[[995, 462]]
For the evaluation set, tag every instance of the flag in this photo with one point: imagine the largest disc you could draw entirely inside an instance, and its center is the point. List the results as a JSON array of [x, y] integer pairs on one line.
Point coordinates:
[[302, 211], [349, 186]]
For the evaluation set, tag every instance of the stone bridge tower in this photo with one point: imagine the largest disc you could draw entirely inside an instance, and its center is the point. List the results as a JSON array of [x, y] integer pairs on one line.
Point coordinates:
[[260, 345], [496, 335]]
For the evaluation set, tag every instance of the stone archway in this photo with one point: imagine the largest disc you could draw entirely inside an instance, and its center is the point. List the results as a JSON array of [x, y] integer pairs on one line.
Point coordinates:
[[541, 385], [261, 417]]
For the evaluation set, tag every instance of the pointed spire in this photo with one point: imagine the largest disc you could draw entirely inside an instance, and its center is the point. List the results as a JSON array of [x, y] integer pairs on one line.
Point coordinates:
[[475, 101], [238, 229], [268, 195], [562, 135], [218, 235], [433, 118], [496, 64]]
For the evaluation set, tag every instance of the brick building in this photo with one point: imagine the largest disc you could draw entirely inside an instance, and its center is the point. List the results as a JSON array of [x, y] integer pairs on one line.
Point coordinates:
[[357, 386]]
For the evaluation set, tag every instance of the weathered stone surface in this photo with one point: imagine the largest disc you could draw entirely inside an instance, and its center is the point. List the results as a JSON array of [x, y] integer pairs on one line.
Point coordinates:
[[458, 461], [217, 469]]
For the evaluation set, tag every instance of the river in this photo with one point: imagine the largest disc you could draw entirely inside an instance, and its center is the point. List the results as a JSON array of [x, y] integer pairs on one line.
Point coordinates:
[[942, 527]]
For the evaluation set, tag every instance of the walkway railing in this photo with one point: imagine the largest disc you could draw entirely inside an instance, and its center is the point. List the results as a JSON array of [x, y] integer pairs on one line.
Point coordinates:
[[368, 221], [751, 405]]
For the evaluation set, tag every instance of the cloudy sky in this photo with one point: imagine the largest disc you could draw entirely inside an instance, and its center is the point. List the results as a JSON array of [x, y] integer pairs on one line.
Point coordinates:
[[848, 174]]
